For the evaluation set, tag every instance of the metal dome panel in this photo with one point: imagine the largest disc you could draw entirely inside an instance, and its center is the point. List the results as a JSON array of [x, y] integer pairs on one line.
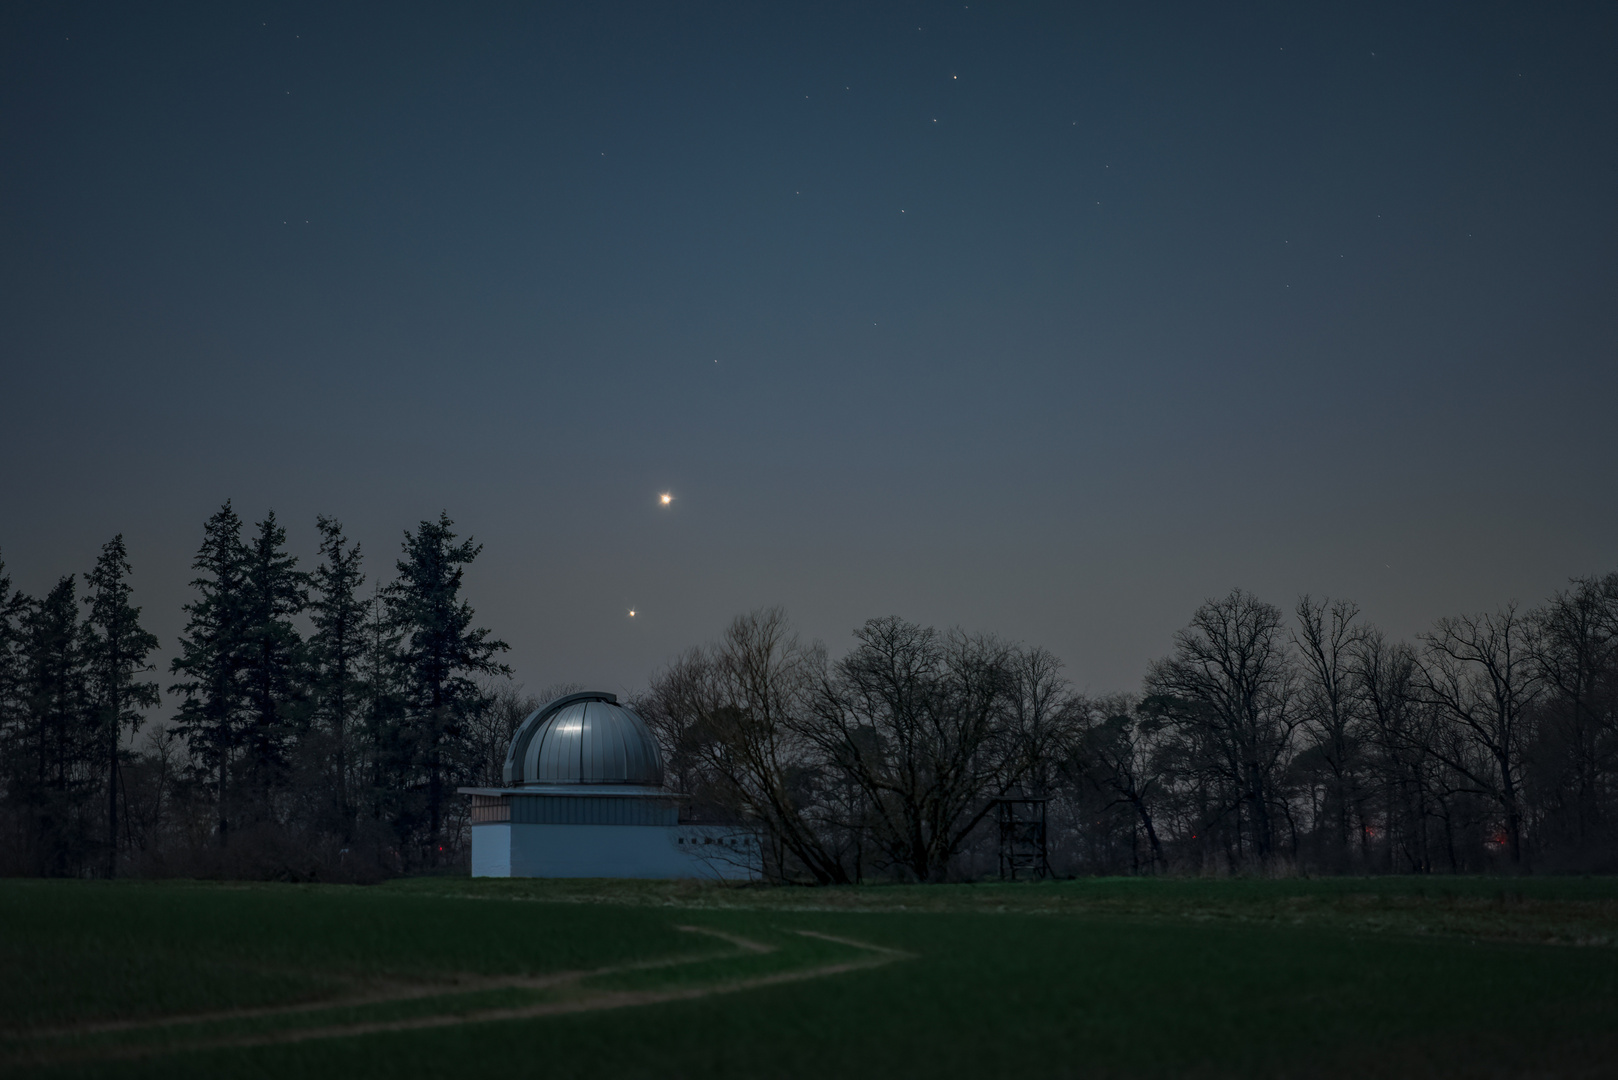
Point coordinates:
[[584, 739]]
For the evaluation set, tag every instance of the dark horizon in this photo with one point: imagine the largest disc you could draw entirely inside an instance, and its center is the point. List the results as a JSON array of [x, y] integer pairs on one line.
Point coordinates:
[[1040, 323]]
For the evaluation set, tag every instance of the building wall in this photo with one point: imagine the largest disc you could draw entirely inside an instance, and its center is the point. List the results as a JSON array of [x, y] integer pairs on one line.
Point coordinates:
[[491, 851], [617, 851]]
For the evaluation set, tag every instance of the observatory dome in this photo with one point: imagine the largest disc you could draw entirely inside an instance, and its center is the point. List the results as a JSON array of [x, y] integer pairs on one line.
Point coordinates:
[[583, 739]]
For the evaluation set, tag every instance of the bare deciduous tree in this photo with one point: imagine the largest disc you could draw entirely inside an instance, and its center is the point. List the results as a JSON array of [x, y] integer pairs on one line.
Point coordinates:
[[1575, 646], [1329, 709], [1118, 753], [490, 728], [733, 718], [1228, 688], [1045, 715], [1480, 674], [922, 725]]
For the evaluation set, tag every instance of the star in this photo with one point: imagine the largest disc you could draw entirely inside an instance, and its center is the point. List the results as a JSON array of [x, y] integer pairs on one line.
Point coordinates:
[[666, 498], [631, 613]]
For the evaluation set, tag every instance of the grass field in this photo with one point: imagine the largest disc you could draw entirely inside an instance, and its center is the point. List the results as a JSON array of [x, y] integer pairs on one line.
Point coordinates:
[[1123, 977]]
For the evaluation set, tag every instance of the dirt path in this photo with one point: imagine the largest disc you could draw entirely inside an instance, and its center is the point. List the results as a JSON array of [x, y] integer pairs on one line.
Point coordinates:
[[740, 942], [372, 992], [876, 956]]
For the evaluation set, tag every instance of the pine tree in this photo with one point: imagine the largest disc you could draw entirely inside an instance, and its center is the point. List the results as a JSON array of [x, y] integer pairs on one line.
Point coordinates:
[[13, 607], [386, 766], [56, 755], [274, 592], [441, 651], [337, 654], [115, 650], [15, 775], [211, 659]]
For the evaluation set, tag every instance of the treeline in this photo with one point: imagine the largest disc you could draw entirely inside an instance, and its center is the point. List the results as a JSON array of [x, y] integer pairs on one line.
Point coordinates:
[[1261, 743], [319, 725]]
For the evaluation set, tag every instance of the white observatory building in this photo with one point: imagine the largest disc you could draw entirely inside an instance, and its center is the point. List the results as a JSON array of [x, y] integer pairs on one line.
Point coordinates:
[[584, 797]]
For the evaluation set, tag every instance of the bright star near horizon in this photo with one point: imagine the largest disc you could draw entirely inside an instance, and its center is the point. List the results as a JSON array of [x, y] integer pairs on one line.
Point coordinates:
[[631, 613], [666, 498]]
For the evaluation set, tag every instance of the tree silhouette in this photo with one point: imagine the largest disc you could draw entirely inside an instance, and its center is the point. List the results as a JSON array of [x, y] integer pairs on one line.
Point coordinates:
[[440, 654], [336, 651], [273, 593], [115, 650], [212, 647]]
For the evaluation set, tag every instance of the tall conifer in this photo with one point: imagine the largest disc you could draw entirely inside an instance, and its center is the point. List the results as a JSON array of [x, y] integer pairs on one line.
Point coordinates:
[[337, 654], [387, 765], [115, 648], [13, 606], [274, 592], [14, 734], [441, 651], [60, 744], [210, 663]]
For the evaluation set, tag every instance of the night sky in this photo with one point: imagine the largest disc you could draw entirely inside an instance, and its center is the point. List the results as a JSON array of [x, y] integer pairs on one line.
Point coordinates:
[[1049, 321]]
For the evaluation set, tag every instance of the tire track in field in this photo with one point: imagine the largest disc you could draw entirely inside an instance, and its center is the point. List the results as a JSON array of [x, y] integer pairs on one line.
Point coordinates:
[[877, 956], [385, 993], [373, 994]]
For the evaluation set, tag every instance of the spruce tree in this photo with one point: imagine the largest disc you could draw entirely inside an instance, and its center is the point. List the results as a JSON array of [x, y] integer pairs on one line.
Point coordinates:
[[337, 654], [14, 735], [212, 648], [441, 651], [274, 592], [57, 754], [385, 771], [115, 650], [13, 607]]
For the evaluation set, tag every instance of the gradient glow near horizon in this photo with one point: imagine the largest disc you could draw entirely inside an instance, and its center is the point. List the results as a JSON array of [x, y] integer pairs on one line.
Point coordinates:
[[1031, 320]]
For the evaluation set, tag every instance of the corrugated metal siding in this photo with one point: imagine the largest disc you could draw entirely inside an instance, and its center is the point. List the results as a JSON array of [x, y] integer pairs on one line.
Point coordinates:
[[597, 810]]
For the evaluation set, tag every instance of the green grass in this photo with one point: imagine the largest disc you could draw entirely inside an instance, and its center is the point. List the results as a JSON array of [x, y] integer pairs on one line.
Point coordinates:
[[430, 977]]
